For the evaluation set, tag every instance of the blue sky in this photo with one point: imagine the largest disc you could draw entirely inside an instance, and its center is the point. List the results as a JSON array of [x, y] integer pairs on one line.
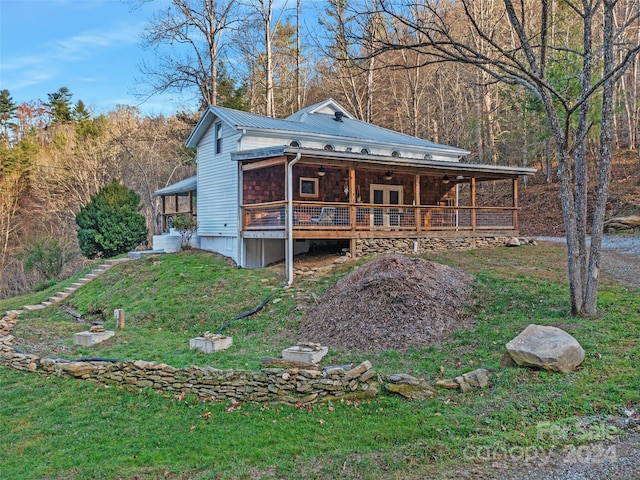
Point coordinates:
[[92, 47]]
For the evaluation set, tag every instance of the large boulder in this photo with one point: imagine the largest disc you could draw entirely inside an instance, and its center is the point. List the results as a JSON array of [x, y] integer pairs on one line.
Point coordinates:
[[546, 347]]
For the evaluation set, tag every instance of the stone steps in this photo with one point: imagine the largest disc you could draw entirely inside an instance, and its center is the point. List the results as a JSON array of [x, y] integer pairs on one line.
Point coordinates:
[[60, 296], [33, 308]]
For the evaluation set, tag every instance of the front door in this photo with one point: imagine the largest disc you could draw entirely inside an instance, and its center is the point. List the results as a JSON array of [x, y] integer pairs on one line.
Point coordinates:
[[385, 195]]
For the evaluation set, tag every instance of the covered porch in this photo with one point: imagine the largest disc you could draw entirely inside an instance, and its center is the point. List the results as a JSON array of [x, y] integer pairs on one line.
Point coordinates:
[[331, 198]]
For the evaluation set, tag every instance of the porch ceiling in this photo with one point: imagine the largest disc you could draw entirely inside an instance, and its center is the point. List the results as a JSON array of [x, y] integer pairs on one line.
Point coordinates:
[[399, 164]]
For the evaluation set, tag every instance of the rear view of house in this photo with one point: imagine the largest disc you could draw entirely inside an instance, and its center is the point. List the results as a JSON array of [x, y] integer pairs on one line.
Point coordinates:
[[268, 188]]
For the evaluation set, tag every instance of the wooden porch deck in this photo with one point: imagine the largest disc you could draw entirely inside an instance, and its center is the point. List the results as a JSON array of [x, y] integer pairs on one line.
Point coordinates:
[[314, 220]]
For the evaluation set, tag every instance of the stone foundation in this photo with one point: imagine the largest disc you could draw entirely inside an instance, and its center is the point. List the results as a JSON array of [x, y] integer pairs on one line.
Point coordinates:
[[291, 386], [368, 246]]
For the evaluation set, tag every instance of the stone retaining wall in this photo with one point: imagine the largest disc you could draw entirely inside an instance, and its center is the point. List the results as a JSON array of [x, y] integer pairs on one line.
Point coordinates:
[[423, 245], [292, 386]]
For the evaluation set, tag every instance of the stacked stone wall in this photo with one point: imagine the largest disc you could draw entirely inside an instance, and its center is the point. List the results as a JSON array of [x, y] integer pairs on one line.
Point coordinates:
[[368, 246], [291, 386]]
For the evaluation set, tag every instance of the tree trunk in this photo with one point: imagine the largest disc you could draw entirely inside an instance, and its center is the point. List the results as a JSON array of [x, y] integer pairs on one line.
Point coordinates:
[[590, 300]]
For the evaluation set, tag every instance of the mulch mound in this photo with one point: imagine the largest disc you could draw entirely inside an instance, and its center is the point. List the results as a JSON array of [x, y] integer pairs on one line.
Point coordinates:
[[393, 302]]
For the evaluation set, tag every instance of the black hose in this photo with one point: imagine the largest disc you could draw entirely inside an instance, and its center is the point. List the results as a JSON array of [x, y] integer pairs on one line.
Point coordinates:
[[250, 312]]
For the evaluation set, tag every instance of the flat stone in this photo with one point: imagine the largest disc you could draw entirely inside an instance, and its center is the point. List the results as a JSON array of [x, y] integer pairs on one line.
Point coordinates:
[[546, 347], [359, 370], [33, 308], [87, 339], [77, 369], [419, 391], [368, 375], [448, 383], [403, 378]]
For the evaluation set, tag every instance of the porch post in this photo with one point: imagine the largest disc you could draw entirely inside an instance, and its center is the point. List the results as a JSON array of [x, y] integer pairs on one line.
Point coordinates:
[[416, 202], [289, 235], [515, 203], [352, 210], [164, 213], [473, 204]]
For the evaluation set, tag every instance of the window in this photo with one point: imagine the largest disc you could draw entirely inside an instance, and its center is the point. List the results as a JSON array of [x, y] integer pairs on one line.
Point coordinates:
[[308, 187], [395, 153], [218, 138], [365, 151], [328, 147], [294, 144]]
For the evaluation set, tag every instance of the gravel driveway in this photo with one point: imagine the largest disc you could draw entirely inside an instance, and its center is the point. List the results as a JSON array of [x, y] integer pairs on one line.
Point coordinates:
[[620, 257]]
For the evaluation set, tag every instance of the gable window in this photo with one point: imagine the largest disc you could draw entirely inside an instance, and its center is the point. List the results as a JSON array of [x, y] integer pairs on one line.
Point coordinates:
[[218, 138], [308, 187]]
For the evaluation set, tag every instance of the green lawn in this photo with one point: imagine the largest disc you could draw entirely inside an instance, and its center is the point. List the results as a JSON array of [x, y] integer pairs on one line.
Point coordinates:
[[58, 428]]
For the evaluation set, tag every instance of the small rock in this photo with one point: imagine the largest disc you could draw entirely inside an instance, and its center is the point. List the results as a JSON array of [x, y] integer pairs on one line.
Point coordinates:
[[464, 386], [477, 378], [448, 383], [369, 374], [419, 391], [513, 242]]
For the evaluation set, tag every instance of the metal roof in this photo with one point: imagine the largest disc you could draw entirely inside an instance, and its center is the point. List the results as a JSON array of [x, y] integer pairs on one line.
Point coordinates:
[[180, 188], [320, 125]]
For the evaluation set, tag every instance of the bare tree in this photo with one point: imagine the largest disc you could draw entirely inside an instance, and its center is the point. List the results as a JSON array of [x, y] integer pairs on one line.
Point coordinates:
[[195, 32], [519, 50]]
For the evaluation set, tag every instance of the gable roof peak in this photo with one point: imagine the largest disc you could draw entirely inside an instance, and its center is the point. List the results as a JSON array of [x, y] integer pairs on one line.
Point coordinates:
[[325, 107]]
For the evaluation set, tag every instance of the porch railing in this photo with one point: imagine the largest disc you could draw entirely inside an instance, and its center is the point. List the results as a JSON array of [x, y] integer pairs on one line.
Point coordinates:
[[360, 216]]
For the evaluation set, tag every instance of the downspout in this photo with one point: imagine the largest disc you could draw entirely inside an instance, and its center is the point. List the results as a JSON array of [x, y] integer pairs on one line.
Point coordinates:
[[289, 256]]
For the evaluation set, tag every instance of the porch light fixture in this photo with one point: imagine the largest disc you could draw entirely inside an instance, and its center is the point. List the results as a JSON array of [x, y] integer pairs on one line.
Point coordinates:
[[445, 179], [388, 175], [321, 171]]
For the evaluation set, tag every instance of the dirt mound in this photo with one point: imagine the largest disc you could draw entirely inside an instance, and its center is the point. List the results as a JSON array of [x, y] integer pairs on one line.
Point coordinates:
[[390, 303]]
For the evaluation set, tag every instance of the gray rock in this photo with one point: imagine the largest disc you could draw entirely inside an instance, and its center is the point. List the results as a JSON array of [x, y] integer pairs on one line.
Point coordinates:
[[546, 347], [464, 386], [513, 242], [477, 378], [403, 378]]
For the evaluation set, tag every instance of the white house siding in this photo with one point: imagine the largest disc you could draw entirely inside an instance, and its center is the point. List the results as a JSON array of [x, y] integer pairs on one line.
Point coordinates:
[[218, 216], [250, 142]]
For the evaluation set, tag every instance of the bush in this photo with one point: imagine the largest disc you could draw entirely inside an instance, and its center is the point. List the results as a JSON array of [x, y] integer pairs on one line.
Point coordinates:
[[47, 257], [110, 223], [186, 225]]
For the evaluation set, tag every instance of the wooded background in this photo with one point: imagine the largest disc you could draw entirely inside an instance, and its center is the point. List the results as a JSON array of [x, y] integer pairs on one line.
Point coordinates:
[[55, 153]]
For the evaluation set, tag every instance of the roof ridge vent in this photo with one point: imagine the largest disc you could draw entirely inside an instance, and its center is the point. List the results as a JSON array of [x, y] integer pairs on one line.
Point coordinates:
[[338, 116]]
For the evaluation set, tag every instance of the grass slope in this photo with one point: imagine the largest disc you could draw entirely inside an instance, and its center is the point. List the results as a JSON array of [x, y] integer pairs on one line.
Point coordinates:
[[67, 429]]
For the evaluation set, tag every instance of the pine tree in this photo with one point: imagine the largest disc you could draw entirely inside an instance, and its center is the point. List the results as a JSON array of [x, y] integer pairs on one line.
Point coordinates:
[[7, 113], [60, 106]]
